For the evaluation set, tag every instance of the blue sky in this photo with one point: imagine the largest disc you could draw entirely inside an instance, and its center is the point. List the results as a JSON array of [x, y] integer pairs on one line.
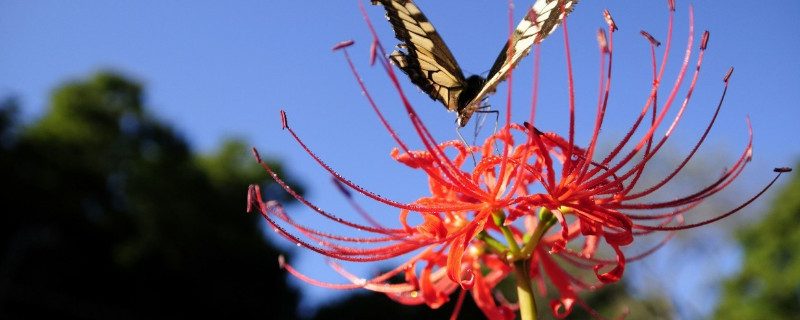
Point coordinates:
[[217, 70]]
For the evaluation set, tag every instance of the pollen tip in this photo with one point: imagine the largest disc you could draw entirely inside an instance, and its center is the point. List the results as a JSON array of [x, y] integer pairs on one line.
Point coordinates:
[[782, 169], [255, 154], [609, 20], [728, 75], [671, 5], [281, 261], [704, 42], [343, 44], [602, 40], [250, 198], [650, 38], [526, 124], [284, 122], [373, 48]]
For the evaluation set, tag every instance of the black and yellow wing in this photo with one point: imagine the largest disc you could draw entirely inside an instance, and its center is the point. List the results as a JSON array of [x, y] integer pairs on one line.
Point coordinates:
[[427, 61], [539, 22], [429, 64]]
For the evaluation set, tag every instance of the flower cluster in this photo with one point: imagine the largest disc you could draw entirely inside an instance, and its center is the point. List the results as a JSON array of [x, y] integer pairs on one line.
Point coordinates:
[[526, 202]]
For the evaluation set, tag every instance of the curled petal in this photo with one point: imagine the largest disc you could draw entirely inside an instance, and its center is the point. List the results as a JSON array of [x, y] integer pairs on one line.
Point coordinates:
[[561, 308], [615, 274]]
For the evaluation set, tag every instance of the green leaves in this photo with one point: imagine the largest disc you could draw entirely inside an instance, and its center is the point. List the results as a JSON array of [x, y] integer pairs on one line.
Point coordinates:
[[767, 287]]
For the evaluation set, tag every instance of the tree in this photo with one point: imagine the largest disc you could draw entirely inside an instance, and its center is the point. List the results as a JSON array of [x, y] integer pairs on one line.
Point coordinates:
[[768, 285], [108, 214]]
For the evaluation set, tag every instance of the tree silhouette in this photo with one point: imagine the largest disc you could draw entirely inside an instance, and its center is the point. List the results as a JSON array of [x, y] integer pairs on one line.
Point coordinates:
[[108, 214]]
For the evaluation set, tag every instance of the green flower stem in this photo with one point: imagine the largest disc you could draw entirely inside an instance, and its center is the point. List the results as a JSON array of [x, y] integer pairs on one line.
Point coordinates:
[[527, 306], [495, 245], [499, 217], [521, 258], [546, 220]]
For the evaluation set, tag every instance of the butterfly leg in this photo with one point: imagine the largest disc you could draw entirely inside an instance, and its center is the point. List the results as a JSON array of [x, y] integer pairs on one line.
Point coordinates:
[[479, 124], [466, 145]]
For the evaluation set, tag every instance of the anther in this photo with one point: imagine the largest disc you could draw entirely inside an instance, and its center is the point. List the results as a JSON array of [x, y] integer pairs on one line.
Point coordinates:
[[609, 20], [650, 38], [343, 44]]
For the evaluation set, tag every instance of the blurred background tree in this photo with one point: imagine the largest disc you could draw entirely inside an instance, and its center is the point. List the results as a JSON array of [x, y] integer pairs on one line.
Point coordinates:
[[107, 213], [768, 286]]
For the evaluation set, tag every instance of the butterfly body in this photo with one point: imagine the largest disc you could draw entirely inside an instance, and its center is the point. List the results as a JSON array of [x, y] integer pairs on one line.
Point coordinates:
[[429, 64], [472, 88]]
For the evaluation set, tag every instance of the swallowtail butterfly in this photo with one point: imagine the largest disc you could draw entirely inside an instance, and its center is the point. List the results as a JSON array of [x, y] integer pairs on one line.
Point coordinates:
[[431, 66]]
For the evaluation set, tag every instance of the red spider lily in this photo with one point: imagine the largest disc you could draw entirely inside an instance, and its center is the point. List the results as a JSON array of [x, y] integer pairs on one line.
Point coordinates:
[[560, 192]]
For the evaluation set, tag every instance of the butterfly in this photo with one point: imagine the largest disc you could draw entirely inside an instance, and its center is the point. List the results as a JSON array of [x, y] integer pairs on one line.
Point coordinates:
[[429, 64]]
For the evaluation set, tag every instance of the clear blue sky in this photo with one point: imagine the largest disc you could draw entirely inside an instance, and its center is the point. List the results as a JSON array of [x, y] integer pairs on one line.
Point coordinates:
[[217, 70]]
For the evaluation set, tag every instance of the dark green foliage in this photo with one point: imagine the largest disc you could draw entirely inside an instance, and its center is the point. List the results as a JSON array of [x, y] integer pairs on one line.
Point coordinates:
[[108, 214], [612, 300], [366, 305], [768, 287]]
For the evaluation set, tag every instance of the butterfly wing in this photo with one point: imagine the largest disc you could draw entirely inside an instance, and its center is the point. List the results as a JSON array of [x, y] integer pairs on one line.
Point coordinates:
[[427, 60], [540, 21]]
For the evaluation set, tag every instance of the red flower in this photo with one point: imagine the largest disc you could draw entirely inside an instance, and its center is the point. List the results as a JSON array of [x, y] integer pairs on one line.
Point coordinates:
[[537, 191]]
